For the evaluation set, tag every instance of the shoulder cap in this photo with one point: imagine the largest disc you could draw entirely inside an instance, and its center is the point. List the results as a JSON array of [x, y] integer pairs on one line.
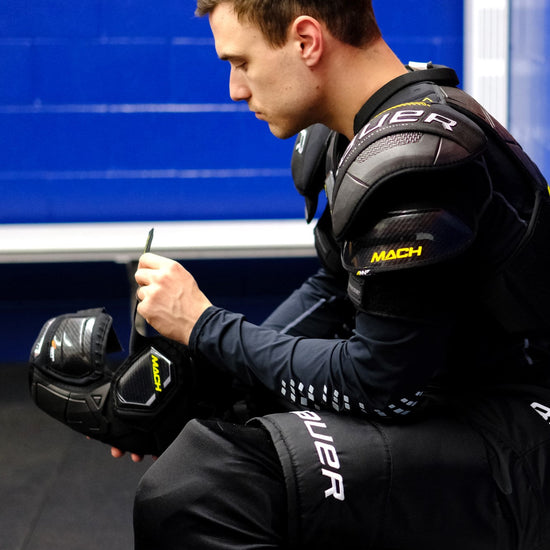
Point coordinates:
[[413, 137]]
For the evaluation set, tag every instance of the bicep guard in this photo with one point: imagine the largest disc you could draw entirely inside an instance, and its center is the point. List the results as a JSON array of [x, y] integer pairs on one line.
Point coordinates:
[[394, 267]]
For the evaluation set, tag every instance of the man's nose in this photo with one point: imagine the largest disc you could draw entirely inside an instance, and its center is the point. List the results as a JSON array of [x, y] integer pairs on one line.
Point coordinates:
[[238, 89]]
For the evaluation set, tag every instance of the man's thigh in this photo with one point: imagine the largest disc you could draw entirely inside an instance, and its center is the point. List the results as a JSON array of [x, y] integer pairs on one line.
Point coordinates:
[[218, 485]]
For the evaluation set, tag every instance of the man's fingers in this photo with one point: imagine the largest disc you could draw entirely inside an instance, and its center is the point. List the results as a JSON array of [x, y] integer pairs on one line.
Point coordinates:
[[150, 261], [117, 453], [148, 265], [147, 262]]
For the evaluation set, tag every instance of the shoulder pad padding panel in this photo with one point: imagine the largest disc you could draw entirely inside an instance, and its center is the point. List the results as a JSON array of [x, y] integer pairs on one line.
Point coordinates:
[[412, 137], [308, 164]]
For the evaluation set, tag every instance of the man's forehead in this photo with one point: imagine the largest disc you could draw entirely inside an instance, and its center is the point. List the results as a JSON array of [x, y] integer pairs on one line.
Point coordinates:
[[232, 36]]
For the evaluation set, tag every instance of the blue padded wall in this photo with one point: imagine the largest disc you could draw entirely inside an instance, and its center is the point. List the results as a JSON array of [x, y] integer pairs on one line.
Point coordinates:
[[428, 31], [118, 110], [530, 78], [114, 110]]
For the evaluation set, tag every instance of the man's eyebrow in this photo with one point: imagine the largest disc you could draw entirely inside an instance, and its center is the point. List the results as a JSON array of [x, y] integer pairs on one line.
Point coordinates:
[[230, 57]]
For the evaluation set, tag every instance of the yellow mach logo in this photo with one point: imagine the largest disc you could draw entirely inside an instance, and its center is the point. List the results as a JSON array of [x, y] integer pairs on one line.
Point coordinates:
[[156, 373], [397, 254]]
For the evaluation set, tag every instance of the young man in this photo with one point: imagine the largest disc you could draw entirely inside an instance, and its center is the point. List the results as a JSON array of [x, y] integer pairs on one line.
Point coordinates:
[[414, 366]]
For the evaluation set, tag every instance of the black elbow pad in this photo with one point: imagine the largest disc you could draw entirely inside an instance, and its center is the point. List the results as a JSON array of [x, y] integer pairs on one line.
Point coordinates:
[[139, 405]]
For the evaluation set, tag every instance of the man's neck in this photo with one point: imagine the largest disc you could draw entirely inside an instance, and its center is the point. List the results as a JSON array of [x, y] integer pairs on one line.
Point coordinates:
[[354, 76]]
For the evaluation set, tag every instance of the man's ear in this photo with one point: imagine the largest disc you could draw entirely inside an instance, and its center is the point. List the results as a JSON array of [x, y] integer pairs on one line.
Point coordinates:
[[308, 35]]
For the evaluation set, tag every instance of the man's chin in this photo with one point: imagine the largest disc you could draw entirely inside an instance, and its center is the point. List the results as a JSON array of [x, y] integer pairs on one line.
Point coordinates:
[[282, 132]]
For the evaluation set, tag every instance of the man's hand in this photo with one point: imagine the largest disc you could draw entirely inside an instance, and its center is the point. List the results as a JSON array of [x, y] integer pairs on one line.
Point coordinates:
[[170, 299]]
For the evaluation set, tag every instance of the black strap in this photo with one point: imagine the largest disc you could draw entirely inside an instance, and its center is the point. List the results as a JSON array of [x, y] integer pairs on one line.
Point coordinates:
[[444, 76], [138, 340]]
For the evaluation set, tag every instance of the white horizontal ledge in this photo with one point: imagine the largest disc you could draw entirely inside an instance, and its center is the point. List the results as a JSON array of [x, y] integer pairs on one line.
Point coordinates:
[[124, 242]]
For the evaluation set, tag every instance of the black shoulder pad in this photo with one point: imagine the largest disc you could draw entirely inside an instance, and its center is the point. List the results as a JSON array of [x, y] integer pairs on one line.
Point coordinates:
[[412, 138], [308, 164]]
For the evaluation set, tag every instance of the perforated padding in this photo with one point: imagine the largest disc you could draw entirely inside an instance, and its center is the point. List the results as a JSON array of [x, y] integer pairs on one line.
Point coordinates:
[[386, 143]]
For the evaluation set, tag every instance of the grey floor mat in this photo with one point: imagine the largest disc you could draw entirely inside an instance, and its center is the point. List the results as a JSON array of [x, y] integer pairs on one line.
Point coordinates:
[[58, 489]]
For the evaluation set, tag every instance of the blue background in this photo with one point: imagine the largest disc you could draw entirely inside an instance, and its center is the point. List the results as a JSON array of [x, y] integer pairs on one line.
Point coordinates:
[[530, 78], [90, 121]]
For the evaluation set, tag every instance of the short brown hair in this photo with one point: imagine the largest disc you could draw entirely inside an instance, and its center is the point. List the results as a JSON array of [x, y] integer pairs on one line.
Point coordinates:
[[350, 21]]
